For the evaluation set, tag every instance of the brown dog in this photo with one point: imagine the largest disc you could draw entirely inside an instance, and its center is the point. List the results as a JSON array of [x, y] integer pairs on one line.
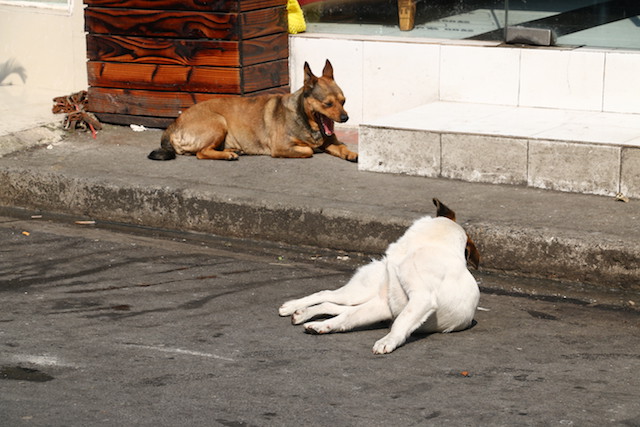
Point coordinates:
[[291, 125]]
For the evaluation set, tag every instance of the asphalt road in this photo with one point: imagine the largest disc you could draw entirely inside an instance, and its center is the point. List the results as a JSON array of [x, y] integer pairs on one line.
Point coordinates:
[[101, 327]]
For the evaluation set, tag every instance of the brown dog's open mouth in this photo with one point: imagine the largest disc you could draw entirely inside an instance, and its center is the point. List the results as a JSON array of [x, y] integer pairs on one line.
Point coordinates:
[[325, 124]]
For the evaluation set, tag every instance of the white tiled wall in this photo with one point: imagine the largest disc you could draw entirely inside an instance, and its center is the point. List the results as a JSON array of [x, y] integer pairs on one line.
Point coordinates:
[[398, 76], [561, 79], [381, 77], [622, 82], [487, 75]]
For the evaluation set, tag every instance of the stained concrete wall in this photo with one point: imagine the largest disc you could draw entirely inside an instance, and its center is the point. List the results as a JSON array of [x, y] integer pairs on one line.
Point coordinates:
[[48, 42]]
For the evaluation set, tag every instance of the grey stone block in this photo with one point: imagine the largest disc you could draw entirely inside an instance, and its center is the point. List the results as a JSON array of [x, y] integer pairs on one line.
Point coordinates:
[[580, 168], [481, 158], [630, 172], [413, 152]]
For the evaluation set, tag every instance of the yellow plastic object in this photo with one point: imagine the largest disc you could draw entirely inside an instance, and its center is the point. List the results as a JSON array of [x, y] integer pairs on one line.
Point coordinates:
[[296, 18]]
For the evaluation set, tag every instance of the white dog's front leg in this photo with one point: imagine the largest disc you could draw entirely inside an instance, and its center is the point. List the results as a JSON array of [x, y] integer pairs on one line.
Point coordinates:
[[387, 344], [415, 313]]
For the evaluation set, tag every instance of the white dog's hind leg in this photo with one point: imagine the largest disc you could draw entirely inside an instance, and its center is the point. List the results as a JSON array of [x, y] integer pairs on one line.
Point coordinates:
[[372, 311], [325, 308], [364, 285], [415, 313], [290, 307]]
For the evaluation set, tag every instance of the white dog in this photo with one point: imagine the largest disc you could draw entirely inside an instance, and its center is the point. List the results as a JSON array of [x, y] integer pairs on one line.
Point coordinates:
[[421, 284]]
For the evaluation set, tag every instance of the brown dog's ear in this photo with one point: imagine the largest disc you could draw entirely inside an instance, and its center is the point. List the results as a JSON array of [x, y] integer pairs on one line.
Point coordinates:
[[309, 78], [327, 71], [471, 254], [442, 210]]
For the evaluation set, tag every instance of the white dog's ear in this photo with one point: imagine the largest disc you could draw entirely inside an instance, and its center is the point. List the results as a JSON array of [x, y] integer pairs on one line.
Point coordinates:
[[472, 254], [442, 210]]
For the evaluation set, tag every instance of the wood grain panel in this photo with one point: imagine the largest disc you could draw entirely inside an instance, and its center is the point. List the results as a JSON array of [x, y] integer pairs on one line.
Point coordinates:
[[128, 119], [262, 22], [142, 103], [161, 23], [151, 103], [265, 49], [151, 59], [188, 79], [164, 77], [145, 50], [178, 24], [216, 53], [269, 74], [201, 5]]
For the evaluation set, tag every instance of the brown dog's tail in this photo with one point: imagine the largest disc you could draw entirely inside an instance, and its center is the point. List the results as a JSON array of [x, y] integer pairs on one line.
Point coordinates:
[[166, 150]]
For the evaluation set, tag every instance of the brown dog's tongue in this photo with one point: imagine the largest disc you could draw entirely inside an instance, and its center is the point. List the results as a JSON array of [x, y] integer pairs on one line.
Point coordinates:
[[327, 125]]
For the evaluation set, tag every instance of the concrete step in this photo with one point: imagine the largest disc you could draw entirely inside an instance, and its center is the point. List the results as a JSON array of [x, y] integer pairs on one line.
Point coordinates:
[[565, 150]]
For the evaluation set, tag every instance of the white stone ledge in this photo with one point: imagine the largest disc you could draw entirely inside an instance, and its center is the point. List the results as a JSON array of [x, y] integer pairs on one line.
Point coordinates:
[[564, 150]]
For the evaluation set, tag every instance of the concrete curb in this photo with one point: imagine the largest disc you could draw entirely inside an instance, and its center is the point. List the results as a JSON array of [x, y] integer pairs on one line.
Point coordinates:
[[326, 203], [550, 253], [188, 210], [543, 253]]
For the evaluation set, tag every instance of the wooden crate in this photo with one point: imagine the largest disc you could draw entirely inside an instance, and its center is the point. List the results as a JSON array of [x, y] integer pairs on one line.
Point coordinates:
[[151, 59]]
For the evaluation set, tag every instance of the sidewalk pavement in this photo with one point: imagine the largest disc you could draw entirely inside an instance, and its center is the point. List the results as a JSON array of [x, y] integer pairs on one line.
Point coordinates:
[[326, 202]]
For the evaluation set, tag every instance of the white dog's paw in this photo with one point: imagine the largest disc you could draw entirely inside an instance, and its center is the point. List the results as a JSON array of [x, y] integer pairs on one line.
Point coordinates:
[[288, 308], [299, 316], [385, 345], [318, 327]]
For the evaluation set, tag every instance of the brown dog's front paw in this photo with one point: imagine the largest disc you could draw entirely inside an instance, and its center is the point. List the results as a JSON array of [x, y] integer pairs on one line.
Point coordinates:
[[216, 155], [352, 156]]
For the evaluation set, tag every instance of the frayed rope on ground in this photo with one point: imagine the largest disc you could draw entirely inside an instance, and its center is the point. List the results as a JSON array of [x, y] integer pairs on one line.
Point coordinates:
[[76, 116]]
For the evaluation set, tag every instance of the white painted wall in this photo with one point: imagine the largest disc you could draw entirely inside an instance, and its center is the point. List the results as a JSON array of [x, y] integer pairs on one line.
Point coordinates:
[[48, 42]]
